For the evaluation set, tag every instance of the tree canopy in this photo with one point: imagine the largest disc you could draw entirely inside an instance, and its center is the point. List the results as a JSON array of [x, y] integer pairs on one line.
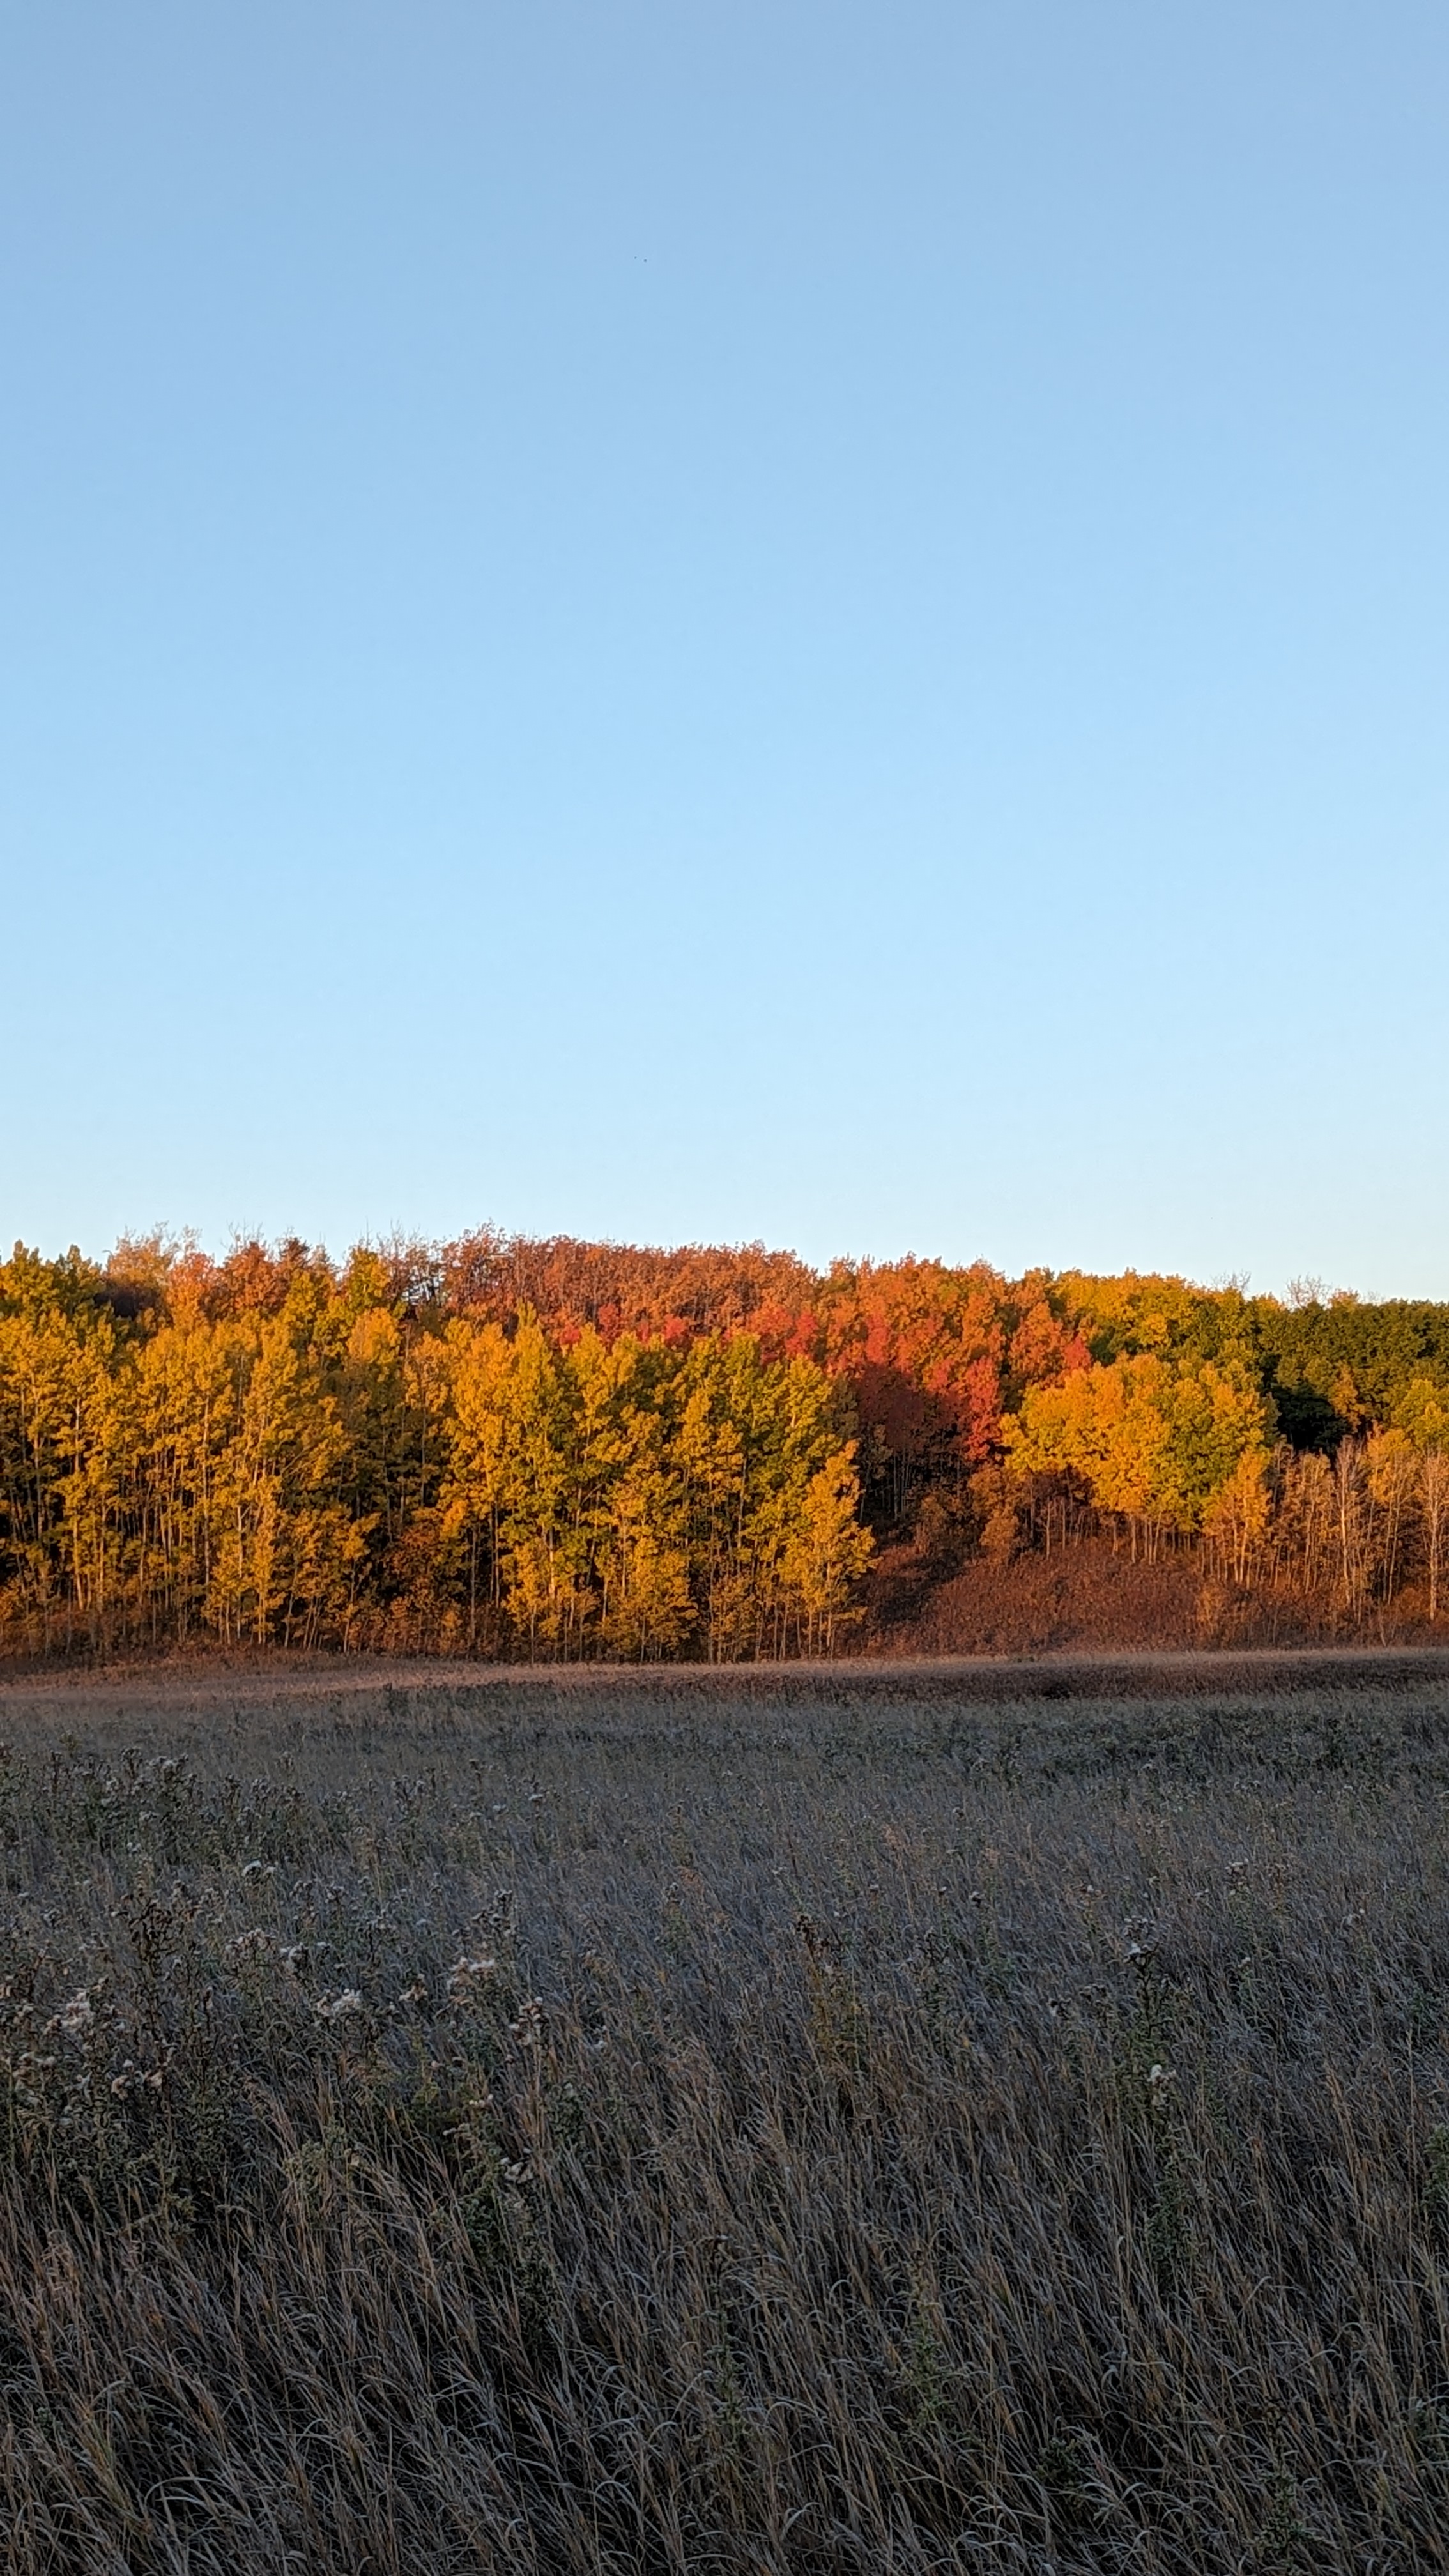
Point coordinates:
[[559, 1448]]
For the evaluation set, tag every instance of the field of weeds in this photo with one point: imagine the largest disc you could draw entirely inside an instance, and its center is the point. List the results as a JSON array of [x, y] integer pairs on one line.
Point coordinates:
[[649, 2130]]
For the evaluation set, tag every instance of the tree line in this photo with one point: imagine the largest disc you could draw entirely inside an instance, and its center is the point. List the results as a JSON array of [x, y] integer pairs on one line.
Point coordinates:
[[510, 1446]]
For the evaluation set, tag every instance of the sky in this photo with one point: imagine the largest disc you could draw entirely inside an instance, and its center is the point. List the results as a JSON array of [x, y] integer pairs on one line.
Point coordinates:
[[818, 623]]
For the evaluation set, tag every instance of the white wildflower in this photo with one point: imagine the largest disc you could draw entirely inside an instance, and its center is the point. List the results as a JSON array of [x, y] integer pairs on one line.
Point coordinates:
[[338, 2007], [132, 2077], [467, 1972]]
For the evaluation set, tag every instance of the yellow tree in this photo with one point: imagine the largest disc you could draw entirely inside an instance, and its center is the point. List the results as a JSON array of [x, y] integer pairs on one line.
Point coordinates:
[[1422, 1413], [1157, 1442], [1236, 1519], [827, 1551], [478, 1360], [1434, 1512], [1106, 1425], [1392, 1471]]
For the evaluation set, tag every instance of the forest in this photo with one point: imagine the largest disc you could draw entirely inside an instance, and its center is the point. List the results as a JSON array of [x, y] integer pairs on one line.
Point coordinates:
[[557, 1450]]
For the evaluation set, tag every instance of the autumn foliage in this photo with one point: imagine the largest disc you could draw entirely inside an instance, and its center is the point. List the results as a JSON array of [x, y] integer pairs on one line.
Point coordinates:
[[561, 1450]]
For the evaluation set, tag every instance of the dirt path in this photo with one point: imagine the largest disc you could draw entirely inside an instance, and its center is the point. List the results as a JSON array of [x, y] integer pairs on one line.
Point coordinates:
[[76, 1692]]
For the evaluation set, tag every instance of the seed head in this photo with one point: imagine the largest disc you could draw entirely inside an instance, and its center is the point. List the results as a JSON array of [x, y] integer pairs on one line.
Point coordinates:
[[338, 2007]]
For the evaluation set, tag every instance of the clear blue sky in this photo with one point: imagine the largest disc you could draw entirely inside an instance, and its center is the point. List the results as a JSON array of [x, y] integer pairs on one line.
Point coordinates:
[[823, 622]]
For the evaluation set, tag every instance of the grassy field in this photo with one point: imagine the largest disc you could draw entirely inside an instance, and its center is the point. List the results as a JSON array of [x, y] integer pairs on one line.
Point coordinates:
[[844, 2127]]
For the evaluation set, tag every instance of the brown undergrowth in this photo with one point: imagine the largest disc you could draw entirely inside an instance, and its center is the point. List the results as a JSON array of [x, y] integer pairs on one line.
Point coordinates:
[[1092, 1596], [830, 2133]]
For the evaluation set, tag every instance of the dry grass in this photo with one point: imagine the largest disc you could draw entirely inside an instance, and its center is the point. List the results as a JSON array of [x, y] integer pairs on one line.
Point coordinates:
[[1091, 1598], [647, 2132]]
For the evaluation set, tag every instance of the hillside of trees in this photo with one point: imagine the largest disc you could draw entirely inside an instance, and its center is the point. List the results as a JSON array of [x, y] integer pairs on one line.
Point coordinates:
[[557, 1449]]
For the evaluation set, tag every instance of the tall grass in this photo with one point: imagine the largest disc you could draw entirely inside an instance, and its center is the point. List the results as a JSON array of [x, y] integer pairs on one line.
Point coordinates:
[[726, 2133]]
